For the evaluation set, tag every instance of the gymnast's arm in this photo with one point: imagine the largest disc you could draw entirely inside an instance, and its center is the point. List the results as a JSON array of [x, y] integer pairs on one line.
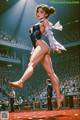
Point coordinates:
[[54, 44]]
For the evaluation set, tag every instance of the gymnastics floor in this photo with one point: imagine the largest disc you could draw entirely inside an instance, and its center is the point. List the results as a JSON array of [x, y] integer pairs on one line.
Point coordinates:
[[62, 114]]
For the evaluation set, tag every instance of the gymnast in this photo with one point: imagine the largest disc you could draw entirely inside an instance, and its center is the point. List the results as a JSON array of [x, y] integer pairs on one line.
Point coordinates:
[[41, 50]]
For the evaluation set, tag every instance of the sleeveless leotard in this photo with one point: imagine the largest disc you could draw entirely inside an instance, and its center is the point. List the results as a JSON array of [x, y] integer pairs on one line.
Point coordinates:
[[35, 34]]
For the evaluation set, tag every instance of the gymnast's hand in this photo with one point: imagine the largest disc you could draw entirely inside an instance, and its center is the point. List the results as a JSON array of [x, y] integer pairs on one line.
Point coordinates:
[[57, 50]]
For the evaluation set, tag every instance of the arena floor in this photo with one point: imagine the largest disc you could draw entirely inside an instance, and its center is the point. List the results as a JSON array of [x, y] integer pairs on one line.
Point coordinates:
[[63, 114]]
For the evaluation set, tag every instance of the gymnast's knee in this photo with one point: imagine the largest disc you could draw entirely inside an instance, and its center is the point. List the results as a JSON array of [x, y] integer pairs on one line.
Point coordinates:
[[31, 64], [50, 73]]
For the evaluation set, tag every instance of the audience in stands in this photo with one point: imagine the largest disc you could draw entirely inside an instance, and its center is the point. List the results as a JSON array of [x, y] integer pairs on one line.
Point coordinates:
[[9, 38]]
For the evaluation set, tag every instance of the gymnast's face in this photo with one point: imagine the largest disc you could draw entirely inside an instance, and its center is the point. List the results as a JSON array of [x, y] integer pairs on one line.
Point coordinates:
[[41, 13]]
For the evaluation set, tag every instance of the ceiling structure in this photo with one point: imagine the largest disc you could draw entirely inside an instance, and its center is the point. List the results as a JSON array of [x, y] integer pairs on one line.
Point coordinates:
[[6, 4]]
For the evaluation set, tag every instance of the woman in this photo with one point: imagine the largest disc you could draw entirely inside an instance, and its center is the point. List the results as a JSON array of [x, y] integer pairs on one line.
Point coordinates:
[[41, 52]]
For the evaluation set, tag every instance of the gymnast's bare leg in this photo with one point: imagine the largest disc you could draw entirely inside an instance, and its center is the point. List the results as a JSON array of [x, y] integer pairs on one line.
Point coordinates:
[[39, 52], [47, 64]]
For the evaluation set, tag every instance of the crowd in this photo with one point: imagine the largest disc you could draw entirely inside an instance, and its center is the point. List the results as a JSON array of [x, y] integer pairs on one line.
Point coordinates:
[[69, 34], [5, 55], [8, 73], [5, 36]]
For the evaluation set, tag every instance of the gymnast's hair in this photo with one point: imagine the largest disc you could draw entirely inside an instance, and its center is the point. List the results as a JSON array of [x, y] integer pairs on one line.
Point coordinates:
[[48, 10]]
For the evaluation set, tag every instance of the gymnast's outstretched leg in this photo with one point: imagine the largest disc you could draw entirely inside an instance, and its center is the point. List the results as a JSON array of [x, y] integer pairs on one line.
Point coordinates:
[[35, 58]]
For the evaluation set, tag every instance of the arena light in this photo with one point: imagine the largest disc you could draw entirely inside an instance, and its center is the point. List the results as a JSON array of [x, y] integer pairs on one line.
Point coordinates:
[[23, 0], [7, 0], [9, 65], [77, 20]]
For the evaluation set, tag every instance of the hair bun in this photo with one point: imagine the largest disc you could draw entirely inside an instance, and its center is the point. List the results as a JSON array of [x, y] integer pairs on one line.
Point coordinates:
[[52, 10]]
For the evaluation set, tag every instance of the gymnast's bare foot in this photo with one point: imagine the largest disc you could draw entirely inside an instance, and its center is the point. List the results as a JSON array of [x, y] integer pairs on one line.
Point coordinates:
[[17, 84], [60, 101]]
